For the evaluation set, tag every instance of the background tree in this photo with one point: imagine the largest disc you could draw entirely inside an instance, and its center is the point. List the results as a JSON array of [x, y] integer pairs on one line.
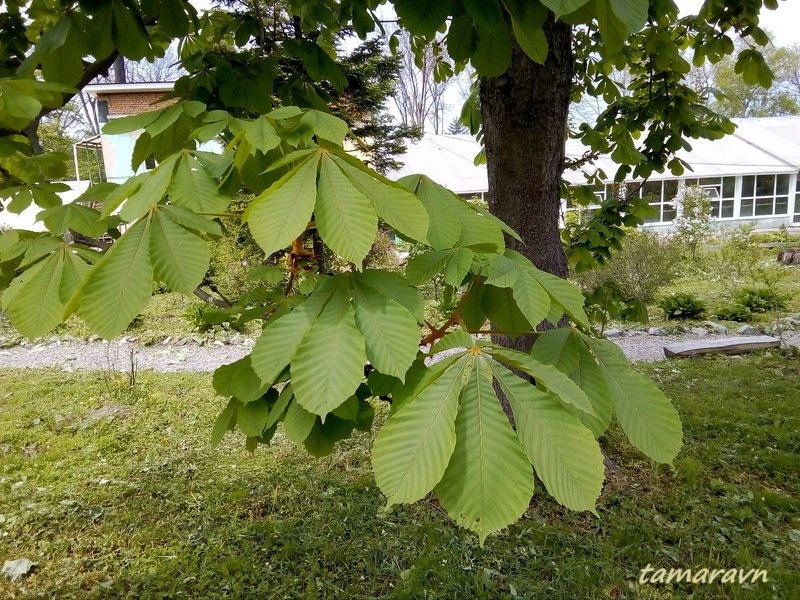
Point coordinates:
[[424, 78], [731, 96]]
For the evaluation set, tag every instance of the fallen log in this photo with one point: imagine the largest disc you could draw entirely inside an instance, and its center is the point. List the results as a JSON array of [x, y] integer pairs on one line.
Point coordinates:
[[728, 345]]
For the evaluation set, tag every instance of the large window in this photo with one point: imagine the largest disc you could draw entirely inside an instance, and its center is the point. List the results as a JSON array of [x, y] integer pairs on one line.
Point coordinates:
[[797, 201], [764, 195], [660, 195], [721, 191]]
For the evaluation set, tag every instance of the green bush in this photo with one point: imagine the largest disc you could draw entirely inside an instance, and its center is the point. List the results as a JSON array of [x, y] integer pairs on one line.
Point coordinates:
[[682, 305], [760, 300], [734, 312], [645, 265]]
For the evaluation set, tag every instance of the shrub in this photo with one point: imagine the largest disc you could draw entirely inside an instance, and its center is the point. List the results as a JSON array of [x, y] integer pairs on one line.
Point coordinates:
[[693, 224], [682, 305], [733, 312], [760, 300], [645, 265]]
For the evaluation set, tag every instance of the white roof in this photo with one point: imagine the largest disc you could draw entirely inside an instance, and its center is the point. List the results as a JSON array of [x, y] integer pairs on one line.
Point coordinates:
[[127, 88], [767, 145]]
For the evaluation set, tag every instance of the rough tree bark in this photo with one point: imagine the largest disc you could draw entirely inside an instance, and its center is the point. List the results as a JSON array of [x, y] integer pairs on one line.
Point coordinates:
[[525, 125]]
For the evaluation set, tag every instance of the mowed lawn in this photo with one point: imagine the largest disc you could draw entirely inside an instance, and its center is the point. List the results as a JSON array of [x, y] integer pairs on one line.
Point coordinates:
[[140, 506]]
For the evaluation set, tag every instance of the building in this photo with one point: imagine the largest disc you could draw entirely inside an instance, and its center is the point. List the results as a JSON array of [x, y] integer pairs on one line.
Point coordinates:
[[751, 175], [121, 100]]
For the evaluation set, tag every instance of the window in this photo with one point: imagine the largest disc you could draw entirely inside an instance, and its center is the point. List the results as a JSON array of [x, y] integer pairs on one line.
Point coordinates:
[[661, 196], [764, 195], [797, 201], [721, 191]]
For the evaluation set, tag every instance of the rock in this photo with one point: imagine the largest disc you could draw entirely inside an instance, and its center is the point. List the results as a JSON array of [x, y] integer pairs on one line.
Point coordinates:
[[699, 331], [166, 341], [613, 333], [656, 331], [181, 342], [715, 327], [748, 330]]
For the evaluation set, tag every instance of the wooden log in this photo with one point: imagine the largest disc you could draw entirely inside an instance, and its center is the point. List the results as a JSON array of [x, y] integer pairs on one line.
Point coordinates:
[[728, 345]]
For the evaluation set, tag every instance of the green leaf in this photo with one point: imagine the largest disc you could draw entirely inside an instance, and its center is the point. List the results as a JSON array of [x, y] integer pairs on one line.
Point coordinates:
[[34, 303], [412, 449], [119, 286], [325, 126], [444, 229], [194, 188], [281, 213], [297, 423], [646, 415], [423, 17], [180, 258], [590, 379], [239, 379], [82, 219], [563, 7], [225, 422], [344, 217], [252, 417], [500, 308], [527, 19], [488, 483], [153, 188], [424, 267], [558, 347], [277, 345], [493, 52], [458, 265], [399, 208], [545, 375], [396, 287], [613, 30], [260, 133], [390, 331], [564, 453], [631, 12], [335, 342]]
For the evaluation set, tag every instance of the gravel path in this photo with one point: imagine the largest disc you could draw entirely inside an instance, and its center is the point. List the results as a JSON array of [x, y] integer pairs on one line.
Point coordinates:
[[187, 356]]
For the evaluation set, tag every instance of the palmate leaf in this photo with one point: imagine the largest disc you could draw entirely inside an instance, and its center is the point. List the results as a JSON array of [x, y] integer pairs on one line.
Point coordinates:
[[395, 205], [396, 287], [565, 349], [344, 217], [82, 219], [390, 331], [180, 258], [455, 263], [413, 448], [194, 188], [545, 375], [488, 482], [329, 363], [119, 286], [646, 415], [281, 213], [277, 344], [444, 230], [33, 300], [562, 450]]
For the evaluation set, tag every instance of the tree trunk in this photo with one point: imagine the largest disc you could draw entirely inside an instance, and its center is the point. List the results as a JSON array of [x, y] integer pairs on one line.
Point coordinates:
[[525, 126]]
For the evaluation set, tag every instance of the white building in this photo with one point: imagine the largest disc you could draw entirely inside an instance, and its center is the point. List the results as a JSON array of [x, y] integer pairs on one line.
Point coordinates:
[[751, 175]]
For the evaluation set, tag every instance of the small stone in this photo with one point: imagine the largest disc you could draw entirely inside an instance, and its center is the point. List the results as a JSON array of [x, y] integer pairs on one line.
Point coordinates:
[[181, 342], [166, 340], [656, 331], [219, 343], [613, 333], [699, 331], [748, 330], [715, 327], [17, 568]]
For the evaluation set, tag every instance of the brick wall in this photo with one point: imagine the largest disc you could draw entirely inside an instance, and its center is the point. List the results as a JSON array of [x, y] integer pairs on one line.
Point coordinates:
[[132, 103]]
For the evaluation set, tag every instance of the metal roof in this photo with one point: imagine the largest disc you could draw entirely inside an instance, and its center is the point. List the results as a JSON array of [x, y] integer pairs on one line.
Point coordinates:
[[767, 145]]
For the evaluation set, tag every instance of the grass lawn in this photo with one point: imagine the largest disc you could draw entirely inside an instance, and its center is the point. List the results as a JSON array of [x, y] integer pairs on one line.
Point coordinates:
[[139, 506]]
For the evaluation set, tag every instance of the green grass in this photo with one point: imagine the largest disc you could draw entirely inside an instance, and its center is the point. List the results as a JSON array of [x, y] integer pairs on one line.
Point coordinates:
[[140, 506]]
